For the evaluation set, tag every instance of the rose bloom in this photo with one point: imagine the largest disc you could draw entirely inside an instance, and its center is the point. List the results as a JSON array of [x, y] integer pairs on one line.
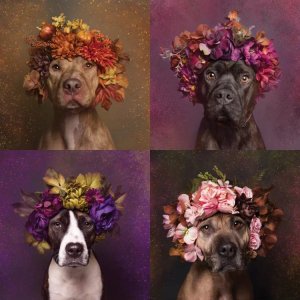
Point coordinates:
[[255, 241], [192, 252], [104, 215], [255, 225], [37, 225]]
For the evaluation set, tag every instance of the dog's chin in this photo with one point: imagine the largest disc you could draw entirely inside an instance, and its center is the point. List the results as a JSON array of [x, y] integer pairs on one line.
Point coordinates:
[[69, 262], [219, 266]]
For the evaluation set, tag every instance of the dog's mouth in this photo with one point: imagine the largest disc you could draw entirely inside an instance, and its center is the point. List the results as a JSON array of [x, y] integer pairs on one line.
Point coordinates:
[[218, 264], [73, 104]]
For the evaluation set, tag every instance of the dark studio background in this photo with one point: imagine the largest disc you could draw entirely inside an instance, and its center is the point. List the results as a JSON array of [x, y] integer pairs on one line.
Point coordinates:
[[275, 277]]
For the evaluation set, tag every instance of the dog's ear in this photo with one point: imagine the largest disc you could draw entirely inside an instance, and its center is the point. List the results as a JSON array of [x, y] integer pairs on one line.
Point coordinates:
[[26, 207]]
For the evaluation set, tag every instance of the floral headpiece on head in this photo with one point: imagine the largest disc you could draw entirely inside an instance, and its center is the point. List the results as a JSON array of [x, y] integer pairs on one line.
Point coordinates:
[[89, 193], [193, 51], [211, 195], [68, 39]]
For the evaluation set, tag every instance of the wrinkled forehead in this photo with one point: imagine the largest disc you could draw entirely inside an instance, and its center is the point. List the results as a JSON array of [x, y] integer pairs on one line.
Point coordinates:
[[221, 220], [65, 215], [225, 66], [78, 60]]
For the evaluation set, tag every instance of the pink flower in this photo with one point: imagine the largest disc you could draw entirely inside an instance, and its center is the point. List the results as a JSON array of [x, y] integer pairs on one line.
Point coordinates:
[[245, 190], [171, 231], [167, 222], [183, 203], [192, 213], [255, 225], [189, 235], [254, 242], [213, 197], [191, 252]]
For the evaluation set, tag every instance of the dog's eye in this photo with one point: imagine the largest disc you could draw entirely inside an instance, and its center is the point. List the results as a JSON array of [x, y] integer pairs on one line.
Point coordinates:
[[57, 224], [245, 78], [205, 228], [87, 223], [89, 65], [237, 223], [210, 75], [56, 67]]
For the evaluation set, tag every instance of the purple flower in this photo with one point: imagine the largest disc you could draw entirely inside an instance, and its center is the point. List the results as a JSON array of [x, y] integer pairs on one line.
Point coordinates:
[[221, 44], [49, 205], [104, 215], [94, 195], [37, 225]]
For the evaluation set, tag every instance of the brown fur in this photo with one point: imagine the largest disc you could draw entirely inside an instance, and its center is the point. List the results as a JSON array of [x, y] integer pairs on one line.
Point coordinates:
[[218, 278], [76, 124]]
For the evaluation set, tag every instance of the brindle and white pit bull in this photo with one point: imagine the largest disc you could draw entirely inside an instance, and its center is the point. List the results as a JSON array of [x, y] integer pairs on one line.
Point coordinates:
[[71, 87], [223, 239]]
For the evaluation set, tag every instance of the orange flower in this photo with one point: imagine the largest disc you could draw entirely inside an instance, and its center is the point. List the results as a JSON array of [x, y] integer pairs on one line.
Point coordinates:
[[262, 39], [63, 45], [233, 16], [99, 50]]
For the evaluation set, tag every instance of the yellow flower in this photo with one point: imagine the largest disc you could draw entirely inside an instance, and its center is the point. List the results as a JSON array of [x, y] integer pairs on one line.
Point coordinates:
[[40, 246], [74, 197], [90, 180], [55, 181], [109, 77], [77, 24], [59, 21]]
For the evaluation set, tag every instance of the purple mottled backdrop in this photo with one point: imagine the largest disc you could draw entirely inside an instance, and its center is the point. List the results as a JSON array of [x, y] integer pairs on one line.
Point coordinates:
[[124, 258], [175, 121], [275, 277]]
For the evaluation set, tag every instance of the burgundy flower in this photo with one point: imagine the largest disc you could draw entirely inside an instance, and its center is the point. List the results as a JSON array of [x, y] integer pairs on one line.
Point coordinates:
[[40, 62], [105, 215], [49, 205], [221, 44], [94, 195], [37, 225]]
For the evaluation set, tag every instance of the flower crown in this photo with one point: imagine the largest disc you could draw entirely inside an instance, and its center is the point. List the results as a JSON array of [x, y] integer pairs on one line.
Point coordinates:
[[193, 51], [68, 39], [89, 193], [211, 195]]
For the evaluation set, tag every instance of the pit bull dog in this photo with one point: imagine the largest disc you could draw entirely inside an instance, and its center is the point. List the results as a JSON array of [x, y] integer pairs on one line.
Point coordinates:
[[228, 91], [71, 86], [74, 272], [223, 239]]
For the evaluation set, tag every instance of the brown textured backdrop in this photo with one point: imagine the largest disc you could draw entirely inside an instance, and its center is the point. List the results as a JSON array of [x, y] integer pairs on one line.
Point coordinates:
[[22, 120]]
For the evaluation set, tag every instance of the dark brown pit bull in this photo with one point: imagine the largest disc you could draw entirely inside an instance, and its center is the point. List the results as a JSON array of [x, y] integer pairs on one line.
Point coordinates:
[[228, 92]]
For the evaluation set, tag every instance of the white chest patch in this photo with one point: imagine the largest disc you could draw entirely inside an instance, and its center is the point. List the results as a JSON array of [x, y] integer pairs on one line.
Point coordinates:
[[80, 283], [72, 129]]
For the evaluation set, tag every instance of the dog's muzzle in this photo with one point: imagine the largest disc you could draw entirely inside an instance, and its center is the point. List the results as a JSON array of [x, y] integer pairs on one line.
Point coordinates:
[[74, 250]]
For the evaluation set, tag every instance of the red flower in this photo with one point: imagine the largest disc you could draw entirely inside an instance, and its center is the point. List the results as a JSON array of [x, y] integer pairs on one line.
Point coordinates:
[[99, 50]]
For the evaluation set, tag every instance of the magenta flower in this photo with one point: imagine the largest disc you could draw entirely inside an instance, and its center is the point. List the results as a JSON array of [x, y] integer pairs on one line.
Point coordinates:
[[94, 195], [49, 205]]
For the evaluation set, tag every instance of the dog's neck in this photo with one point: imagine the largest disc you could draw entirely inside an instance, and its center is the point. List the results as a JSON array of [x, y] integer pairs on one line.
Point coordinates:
[[217, 136], [75, 283], [77, 130], [202, 283]]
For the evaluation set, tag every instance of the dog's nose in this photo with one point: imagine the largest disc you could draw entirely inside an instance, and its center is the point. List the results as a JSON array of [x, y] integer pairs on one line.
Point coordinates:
[[224, 96], [74, 250], [227, 250], [72, 85]]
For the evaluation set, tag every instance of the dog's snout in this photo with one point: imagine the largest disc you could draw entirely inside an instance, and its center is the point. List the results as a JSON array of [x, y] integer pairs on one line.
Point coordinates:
[[224, 96], [72, 85], [227, 250], [74, 250]]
